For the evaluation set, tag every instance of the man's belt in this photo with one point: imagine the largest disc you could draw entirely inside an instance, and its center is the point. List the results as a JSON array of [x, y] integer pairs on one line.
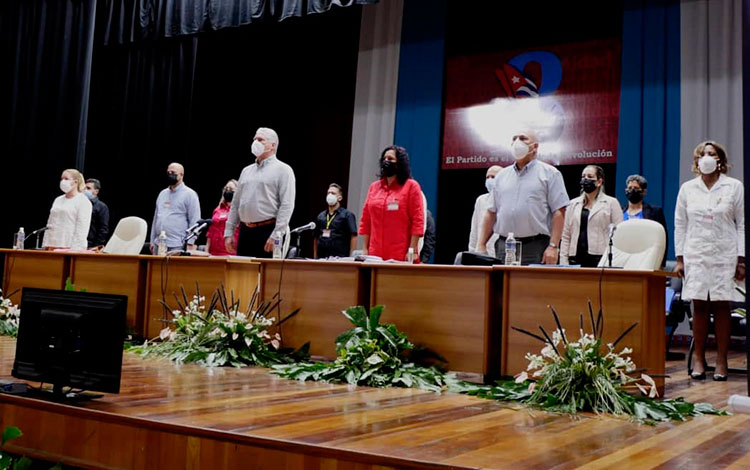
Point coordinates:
[[259, 224], [527, 239]]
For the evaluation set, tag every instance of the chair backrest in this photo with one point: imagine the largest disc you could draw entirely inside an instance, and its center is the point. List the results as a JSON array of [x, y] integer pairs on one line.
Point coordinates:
[[128, 238], [638, 244]]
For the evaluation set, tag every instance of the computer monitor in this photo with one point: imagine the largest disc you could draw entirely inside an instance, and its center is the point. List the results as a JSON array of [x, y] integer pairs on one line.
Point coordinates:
[[70, 338]]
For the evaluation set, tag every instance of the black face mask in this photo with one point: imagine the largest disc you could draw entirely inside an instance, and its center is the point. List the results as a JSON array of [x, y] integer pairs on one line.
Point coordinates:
[[171, 178], [228, 196], [634, 195], [588, 186], [387, 168]]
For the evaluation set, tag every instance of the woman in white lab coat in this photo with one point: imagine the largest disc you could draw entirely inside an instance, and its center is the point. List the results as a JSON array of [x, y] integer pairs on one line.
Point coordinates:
[[710, 247]]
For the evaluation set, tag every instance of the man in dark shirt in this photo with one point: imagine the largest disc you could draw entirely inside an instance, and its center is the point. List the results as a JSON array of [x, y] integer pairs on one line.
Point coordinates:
[[99, 229], [336, 227], [428, 246]]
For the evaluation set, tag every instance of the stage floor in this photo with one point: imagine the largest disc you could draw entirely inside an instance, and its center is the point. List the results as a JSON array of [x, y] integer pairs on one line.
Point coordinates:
[[170, 416]]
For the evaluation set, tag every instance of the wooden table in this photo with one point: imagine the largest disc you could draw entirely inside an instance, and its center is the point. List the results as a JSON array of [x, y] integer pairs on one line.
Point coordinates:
[[462, 312]]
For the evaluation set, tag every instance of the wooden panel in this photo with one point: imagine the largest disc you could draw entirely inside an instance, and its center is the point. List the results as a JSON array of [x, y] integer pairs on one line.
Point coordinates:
[[27, 268], [109, 274], [167, 274], [626, 297], [322, 289], [444, 309]]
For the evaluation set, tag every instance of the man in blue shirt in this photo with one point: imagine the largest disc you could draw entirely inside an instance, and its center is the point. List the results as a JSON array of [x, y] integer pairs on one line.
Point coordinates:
[[177, 209]]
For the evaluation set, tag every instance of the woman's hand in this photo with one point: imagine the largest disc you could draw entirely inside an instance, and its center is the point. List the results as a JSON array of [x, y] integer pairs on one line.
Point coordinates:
[[739, 271], [680, 269]]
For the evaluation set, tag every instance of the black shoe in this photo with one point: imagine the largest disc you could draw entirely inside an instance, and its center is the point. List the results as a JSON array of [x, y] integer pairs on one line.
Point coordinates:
[[720, 378], [701, 376]]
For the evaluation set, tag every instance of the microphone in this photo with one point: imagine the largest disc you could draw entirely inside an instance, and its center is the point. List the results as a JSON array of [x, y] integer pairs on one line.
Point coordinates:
[[202, 223], [310, 226], [37, 231], [612, 228]]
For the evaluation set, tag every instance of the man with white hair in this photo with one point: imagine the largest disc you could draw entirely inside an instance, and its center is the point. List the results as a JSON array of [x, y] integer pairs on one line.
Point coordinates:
[[480, 208], [264, 200], [529, 201], [177, 208]]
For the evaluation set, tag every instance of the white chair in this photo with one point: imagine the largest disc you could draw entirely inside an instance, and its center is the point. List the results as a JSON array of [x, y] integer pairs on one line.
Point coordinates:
[[638, 244], [128, 238]]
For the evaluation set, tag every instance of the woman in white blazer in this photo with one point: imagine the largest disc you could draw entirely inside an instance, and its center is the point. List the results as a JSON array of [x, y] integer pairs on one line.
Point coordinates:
[[587, 219], [709, 238]]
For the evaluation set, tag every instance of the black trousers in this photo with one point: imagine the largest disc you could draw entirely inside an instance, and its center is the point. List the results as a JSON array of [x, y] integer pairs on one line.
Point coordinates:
[[252, 241]]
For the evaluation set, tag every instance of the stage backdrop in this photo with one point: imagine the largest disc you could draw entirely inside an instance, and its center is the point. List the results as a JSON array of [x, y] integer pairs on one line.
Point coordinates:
[[568, 93]]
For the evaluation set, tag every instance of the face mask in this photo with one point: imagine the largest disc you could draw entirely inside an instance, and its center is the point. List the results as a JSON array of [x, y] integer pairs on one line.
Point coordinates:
[[634, 195], [519, 149], [332, 199], [388, 168], [228, 196], [707, 165], [65, 186], [257, 148], [89, 194], [489, 183], [588, 185], [171, 178]]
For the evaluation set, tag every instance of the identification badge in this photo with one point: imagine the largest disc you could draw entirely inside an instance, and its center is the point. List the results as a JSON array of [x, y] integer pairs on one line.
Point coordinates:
[[393, 206], [326, 233]]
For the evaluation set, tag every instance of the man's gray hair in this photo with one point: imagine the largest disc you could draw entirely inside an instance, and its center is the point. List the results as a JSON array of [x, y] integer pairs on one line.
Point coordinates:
[[269, 134], [642, 182]]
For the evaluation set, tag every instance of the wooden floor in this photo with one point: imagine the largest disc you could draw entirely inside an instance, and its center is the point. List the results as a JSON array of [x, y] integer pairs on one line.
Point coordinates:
[[211, 415]]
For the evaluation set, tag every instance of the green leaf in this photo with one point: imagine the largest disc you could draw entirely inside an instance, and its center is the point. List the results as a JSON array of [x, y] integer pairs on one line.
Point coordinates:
[[374, 359], [10, 433], [375, 313], [5, 461], [24, 463]]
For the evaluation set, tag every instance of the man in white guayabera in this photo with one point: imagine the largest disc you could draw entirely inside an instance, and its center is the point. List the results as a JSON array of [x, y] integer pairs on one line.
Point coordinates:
[[264, 200], [528, 200]]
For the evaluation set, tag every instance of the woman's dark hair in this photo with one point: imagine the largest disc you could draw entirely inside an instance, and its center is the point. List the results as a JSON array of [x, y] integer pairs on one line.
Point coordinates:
[[403, 169]]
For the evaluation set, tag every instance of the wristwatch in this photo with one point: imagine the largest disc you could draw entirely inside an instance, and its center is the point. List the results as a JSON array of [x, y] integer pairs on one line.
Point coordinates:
[[552, 245]]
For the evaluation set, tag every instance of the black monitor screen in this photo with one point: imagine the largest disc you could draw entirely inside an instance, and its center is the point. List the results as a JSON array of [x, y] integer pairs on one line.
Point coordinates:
[[69, 338]]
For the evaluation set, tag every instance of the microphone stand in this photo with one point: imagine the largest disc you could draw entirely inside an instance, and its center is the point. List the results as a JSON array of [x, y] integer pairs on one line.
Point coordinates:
[[190, 234], [609, 255], [35, 234]]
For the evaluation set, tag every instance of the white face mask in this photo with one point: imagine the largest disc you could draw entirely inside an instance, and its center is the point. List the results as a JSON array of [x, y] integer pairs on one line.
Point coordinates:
[[707, 164], [332, 199], [519, 149], [66, 186], [489, 183], [257, 148]]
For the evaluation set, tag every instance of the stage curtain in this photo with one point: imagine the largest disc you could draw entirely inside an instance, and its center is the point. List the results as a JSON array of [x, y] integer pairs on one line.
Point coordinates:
[[123, 21], [45, 57]]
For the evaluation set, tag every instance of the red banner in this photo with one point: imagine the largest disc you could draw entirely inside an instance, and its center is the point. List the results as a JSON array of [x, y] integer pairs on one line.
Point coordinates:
[[568, 94]]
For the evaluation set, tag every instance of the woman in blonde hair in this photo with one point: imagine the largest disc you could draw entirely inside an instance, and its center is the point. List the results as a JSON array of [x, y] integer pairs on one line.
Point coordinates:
[[709, 238], [70, 216]]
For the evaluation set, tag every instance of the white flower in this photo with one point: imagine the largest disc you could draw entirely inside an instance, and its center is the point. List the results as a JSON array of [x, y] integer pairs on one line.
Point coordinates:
[[557, 337], [164, 334], [549, 351], [235, 336], [522, 377], [653, 393]]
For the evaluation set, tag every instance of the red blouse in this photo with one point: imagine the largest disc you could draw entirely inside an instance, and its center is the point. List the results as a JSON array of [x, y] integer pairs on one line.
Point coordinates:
[[391, 215], [216, 231]]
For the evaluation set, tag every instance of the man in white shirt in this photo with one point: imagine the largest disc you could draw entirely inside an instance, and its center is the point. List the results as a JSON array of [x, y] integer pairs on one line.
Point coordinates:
[[264, 200], [480, 208], [529, 200]]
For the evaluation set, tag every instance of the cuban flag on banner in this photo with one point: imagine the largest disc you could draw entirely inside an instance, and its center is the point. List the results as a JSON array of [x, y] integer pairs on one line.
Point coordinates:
[[515, 83]]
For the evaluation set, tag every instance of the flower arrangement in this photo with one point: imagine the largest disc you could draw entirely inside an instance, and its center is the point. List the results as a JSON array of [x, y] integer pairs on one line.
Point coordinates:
[[373, 354], [585, 375], [9, 315], [220, 334]]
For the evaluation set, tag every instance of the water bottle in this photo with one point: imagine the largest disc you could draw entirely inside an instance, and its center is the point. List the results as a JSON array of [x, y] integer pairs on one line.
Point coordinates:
[[20, 239], [410, 255], [510, 250], [162, 246], [277, 251]]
